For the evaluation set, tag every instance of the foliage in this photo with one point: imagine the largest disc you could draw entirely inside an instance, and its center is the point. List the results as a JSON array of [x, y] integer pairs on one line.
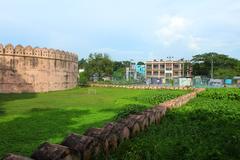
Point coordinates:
[[222, 93], [120, 64], [202, 129], [119, 70], [119, 74], [82, 63], [140, 63], [158, 97], [226, 72], [27, 120], [83, 79], [224, 66], [130, 109], [99, 65]]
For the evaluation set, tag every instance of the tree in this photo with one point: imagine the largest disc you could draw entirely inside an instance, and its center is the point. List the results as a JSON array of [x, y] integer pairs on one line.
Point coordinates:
[[83, 79], [118, 65], [223, 65], [82, 63], [119, 69], [119, 74], [99, 65], [140, 63]]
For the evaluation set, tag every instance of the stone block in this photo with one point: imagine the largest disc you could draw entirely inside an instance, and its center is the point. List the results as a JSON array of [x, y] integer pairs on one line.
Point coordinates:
[[48, 151]]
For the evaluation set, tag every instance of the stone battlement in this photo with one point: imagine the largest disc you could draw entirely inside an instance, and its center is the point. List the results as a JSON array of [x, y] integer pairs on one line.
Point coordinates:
[[29, 51], [27, 69]]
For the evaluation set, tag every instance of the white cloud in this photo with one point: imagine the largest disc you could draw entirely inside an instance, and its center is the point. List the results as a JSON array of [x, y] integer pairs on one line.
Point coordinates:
[[172, 29]]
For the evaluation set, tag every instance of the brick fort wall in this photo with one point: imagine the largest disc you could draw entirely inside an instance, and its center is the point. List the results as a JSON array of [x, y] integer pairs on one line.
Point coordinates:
[[27, 69]]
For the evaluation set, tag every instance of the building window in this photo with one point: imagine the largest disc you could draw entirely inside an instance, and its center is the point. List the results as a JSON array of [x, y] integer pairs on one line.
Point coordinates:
[[155, 66], [149, 66], [175, 74], [162, 66], [175, 65], [161, 73], [168, 75], [149, 73], [168, 68]]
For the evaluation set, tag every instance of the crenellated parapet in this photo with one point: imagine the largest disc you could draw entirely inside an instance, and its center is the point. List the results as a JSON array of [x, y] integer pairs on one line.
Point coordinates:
[[29, 51], [28, 69]]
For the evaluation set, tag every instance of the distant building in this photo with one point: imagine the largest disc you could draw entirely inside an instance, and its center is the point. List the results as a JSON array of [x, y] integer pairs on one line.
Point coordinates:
[[141, 69], [165, 71], [131, 72], [135, 72], [237, 79]]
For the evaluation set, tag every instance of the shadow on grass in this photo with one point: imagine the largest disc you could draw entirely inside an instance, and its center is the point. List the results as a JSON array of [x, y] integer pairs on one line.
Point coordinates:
[[199, 134], [23, 135], [20, 84], [2, 110], [4, 98]]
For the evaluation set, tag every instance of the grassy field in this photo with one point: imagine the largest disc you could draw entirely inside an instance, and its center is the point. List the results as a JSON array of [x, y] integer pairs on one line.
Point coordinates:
[[26, 120], [207, 128]]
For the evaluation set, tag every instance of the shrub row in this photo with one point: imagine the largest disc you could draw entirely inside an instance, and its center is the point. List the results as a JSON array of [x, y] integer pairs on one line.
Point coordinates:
[[222, 93], [140, 86]]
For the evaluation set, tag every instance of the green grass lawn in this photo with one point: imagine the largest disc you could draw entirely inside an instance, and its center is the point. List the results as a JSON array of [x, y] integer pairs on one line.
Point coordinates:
[[26, 120], [207, 128]]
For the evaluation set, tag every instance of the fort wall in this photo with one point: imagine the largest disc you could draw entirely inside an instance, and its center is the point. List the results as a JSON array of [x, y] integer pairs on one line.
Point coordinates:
[[27, 69]]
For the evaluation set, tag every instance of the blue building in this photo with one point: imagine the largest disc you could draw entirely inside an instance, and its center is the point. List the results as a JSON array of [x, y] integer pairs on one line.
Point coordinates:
[[141, 69]]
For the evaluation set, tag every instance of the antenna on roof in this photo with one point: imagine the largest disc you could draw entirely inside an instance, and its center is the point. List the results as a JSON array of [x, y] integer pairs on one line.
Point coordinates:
[[170, 58]]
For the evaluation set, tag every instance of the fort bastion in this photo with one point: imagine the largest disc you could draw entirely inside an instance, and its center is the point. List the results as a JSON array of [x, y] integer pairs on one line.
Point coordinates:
[[27, 69]]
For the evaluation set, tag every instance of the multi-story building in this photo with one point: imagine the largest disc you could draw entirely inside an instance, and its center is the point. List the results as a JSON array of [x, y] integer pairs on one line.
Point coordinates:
[[163, 71], [135, 72]]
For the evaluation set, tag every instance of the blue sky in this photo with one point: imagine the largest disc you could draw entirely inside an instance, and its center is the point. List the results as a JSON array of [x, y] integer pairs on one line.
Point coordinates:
[[125, 29]]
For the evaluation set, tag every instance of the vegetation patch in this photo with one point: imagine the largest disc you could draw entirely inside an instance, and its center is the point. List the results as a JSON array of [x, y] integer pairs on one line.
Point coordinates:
[[222, 93], [159, 97], [205, 128]]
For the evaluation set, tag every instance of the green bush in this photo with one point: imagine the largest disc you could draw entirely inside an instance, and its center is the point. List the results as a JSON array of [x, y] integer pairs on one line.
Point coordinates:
[[222, 93], [158, 98], [83, 79]]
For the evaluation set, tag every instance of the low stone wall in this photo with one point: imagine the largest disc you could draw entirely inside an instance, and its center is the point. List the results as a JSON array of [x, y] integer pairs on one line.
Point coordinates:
[[152, 87], [106, 139]]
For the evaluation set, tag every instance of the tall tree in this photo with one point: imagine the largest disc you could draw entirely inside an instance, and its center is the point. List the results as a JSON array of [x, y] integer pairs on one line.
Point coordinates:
[[223, 65], [82, 63], [99, 65], [140, 63], [119, 69]]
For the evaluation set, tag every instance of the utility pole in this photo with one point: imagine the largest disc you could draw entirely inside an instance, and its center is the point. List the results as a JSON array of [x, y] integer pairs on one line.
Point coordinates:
[[212, 68]]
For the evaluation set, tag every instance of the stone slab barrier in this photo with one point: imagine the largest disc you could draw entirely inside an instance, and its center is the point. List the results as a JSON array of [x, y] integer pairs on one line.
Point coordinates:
[[103, 140], [152, 87]]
